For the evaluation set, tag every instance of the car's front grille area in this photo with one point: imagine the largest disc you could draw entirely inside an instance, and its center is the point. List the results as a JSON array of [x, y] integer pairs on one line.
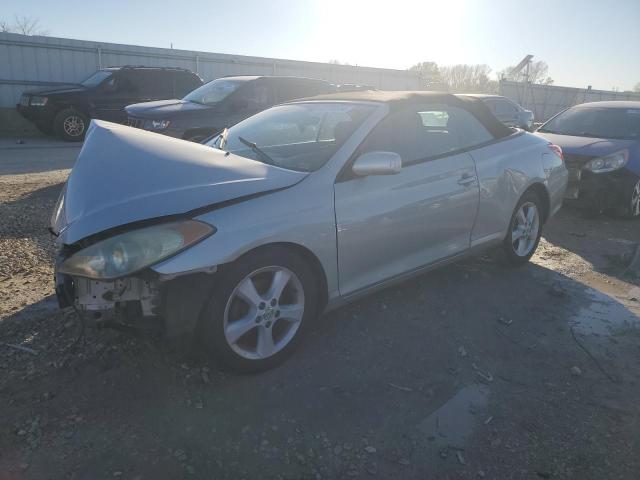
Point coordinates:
[[135, 122], [24, 100]]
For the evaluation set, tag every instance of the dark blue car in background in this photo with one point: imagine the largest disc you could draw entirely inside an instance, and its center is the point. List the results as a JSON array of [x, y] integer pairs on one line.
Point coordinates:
[[601, 146]]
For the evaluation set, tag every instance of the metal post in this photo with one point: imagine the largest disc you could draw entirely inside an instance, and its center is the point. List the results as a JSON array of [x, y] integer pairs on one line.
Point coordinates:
[[526, 84], [99, 58], [197, 64]]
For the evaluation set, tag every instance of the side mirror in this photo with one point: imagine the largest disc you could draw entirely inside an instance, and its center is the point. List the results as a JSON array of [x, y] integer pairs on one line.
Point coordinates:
[[377, 163]]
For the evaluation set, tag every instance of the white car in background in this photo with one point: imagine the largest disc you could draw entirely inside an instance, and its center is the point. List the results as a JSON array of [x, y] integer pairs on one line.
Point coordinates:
[[508, 111]]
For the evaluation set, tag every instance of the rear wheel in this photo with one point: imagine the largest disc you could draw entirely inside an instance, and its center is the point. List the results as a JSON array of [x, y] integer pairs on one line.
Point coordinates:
[[525, 230], [261, 310], [71, 125]]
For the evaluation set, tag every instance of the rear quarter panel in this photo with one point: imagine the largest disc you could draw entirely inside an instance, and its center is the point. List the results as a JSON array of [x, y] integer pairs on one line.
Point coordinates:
[[505, 170]]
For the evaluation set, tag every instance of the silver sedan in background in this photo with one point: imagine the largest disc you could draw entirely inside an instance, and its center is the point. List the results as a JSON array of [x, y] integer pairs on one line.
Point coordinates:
[[508, 112], [294, 211]]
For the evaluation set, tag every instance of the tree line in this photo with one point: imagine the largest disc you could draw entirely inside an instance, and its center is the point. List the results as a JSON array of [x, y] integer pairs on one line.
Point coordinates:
[[476, 78]]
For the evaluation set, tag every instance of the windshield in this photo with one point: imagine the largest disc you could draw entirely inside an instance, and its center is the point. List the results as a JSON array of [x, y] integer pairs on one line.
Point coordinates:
[[97, 78], [300, 137], [213, 92], [614, 123]]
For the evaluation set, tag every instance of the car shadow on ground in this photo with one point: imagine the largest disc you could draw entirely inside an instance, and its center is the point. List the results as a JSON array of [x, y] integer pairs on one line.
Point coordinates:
[[610, 245], [37, 158], [34, 208], [445, 374]]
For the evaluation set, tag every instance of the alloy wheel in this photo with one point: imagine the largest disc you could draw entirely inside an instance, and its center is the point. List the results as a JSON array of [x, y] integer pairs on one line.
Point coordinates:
[[524, 233], [73, 125], [264, 312]]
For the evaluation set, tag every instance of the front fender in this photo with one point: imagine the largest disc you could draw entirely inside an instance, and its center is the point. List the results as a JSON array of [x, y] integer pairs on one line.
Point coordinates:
[[299, 215]]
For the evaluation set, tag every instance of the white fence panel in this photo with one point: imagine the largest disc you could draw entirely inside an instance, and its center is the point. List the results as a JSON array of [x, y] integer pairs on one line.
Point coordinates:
[[547, 100], [32, 61]]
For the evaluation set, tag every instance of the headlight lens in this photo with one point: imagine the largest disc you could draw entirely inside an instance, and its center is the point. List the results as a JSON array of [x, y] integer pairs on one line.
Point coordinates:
[[609, 163], [129, 252], [157, 124], [38, 101]]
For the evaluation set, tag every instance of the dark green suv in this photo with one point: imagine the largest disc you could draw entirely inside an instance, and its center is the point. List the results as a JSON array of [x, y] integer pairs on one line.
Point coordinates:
[[66, 109]]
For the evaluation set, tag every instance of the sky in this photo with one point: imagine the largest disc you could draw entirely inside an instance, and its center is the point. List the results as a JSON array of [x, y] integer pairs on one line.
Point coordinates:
[[584, 42]]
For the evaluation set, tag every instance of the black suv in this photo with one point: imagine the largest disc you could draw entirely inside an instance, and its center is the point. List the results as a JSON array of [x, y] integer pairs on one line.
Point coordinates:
[[221, 103], [66, 109]]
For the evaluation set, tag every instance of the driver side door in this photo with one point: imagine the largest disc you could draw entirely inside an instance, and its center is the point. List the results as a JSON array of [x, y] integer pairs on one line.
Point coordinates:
[[112, 96], [393, 224]]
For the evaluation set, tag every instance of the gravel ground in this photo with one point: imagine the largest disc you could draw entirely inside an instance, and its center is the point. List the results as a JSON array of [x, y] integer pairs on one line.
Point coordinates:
[[472, 371]]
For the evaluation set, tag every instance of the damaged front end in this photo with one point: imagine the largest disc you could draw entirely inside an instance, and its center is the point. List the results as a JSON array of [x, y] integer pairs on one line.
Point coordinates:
[[130, 203], [596, 182], [109, 280]]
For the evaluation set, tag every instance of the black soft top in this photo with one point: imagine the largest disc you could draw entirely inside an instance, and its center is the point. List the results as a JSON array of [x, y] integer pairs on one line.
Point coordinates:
[[400, 100]]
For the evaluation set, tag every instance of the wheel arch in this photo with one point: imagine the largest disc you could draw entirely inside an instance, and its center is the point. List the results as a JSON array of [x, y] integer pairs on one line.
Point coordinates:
[[543, 194], [309, 257]]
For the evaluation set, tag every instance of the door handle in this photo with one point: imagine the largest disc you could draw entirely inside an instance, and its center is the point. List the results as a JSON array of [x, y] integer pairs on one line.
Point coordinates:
[[467, 179]]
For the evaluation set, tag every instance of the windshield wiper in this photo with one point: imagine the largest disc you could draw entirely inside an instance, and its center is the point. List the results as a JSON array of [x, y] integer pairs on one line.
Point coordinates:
[[258, 150]]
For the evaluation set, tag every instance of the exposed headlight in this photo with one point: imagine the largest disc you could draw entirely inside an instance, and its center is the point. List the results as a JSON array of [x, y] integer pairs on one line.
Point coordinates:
[[157, 124], [38, 101], [132, 251], [609, 163]]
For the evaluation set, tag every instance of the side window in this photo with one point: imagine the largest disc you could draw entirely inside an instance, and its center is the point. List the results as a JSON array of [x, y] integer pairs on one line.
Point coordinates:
[[430, 131], [258, 95], [506, 108], [151, 83], [291, 89], [491, 103], [185, 82]]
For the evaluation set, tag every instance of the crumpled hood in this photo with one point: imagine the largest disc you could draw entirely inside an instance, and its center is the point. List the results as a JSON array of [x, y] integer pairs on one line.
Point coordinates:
[[125, 175], [587, 146], [164, 109]]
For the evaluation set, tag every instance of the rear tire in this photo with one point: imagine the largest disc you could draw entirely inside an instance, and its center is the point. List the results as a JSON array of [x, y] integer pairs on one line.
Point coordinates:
[[260, 310], [71, 125], [525, 230]]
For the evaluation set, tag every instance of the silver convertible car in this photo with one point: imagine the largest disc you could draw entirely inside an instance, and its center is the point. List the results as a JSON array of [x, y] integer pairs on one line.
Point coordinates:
[[242, 242]]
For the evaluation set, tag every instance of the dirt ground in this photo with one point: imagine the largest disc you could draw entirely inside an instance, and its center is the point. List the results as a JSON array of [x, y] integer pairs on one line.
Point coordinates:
[[472, 371]]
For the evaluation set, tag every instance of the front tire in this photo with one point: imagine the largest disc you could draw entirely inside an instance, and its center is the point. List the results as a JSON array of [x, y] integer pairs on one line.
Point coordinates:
[[71, 125], [629, 204], [525, 230], [261, 309]]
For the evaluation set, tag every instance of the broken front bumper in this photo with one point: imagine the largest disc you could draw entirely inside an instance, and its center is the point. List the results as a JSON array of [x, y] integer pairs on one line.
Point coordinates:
[[100, 297], [174, 304], [600, 190]]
